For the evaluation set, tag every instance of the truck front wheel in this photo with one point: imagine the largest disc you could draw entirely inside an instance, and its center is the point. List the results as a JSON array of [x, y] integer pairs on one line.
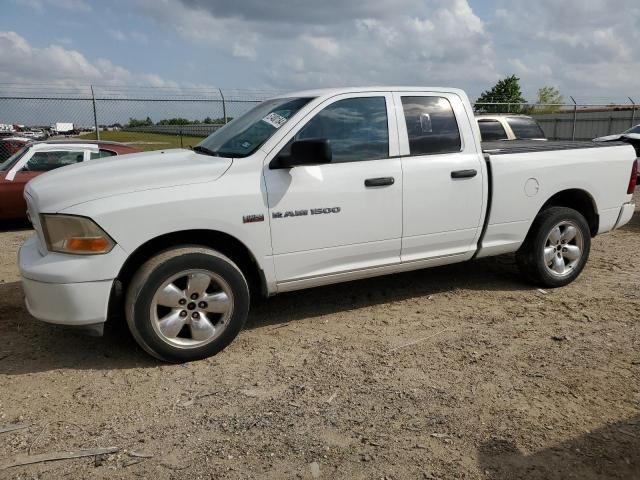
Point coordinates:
[[186, 303], [556, 248]]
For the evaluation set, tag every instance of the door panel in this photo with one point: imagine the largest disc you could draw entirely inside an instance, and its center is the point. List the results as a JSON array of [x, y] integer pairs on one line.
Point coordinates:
[[442, 214], [323, 218]]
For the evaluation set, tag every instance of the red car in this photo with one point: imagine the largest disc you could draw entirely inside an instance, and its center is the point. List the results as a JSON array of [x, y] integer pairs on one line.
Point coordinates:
[[36, 158]]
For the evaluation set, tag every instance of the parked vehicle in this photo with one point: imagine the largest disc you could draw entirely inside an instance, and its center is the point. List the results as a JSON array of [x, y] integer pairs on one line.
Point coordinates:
[[630, 136], [62, 128], [35, 158], [308, 189], [10, 145], [509, 127]]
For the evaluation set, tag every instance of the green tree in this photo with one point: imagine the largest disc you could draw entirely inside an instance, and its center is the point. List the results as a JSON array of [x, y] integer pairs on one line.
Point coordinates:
[[174, 121], [548, 99], [135, 122], [506, 91]]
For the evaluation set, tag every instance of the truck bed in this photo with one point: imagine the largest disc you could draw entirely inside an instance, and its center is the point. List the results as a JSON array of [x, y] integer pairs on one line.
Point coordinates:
[[530, 146]]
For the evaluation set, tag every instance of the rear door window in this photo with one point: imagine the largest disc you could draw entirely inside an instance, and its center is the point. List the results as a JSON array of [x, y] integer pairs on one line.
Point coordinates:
[[524, 127], [491, 130], [431, 125]]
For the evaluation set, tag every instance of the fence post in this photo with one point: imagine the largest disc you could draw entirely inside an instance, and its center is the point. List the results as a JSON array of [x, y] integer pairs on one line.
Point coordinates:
[[95, 115], [224, 107], [633, 112], [575, 118], [181, 146]]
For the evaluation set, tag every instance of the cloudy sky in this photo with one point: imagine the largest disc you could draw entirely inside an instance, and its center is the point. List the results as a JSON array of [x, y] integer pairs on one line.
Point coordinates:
[[587, 48]]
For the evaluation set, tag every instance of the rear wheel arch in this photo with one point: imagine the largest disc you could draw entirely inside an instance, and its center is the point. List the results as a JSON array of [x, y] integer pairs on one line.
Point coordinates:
[[578, 200]]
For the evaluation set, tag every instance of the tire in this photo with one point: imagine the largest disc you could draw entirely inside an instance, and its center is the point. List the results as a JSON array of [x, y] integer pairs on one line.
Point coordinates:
[[186, 303], [554, 258]]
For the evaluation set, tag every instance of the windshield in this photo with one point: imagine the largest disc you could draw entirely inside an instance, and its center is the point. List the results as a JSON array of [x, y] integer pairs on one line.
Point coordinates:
[[245, 134], [635, 129], [11, 161]]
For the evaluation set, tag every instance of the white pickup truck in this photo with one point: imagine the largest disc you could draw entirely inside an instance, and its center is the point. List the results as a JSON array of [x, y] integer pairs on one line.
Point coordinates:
[[307, 189]]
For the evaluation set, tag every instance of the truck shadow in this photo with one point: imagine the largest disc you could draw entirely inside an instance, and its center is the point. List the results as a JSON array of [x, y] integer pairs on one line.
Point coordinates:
[[31, 346], [610, 452], [495, 273], [634, 223]]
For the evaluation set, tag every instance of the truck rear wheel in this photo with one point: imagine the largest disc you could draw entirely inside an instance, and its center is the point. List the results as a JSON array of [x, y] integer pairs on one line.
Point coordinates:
[[556, 248], [187, 303]]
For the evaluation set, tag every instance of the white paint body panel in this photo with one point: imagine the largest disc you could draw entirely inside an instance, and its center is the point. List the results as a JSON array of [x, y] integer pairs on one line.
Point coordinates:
[[429, 230], [424, 219], [601, 172]]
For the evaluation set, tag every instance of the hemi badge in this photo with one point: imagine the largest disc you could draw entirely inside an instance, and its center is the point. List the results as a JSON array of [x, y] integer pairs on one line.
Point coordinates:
[[253, 218]]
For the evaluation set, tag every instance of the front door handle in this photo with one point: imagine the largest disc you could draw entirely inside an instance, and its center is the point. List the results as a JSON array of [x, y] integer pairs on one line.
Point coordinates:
[[464, 173], [379, 182]]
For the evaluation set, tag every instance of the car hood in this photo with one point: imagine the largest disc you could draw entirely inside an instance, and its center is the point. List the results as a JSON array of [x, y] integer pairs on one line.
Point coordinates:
[[106, 177]]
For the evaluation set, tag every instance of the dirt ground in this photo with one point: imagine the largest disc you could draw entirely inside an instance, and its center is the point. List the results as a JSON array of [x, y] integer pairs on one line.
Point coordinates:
[[455, 372]]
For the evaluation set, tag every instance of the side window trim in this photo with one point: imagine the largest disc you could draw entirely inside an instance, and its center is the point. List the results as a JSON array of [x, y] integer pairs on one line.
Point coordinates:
[[460, 117], [394, 147]]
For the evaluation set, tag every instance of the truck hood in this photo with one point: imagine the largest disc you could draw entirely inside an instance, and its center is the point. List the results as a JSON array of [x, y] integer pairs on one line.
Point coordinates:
[[106, 177]]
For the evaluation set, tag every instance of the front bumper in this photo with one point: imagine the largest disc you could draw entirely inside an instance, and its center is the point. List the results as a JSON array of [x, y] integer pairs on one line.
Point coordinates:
[[67, 289], [77, 304]]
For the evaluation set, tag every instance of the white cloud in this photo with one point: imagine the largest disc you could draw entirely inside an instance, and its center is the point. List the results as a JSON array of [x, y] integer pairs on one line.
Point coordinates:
[[339, 42], [20, 62], [44, 5], [117, 34], [133, 36], [586, 48]]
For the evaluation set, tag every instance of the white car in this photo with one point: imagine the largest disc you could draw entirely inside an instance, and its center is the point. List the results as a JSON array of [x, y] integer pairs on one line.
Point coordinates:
[[308, 189], [509, 127]]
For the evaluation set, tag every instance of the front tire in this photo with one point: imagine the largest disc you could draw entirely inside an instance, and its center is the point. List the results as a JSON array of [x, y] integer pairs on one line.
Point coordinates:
[[187, 303], [556, 249]]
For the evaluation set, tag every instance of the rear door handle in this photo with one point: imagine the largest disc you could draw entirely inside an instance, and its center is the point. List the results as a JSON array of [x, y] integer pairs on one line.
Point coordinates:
[[379, 182], [464, 173]]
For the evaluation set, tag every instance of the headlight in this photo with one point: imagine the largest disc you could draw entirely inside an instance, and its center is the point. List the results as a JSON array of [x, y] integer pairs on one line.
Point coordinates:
[[72, 234]]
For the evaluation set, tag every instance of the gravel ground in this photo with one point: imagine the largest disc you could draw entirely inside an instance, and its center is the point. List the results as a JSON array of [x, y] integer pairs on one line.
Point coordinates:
[[455, 372]]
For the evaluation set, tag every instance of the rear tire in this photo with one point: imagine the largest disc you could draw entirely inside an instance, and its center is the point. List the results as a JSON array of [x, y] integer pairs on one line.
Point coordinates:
[[556, 248], [186, 303]]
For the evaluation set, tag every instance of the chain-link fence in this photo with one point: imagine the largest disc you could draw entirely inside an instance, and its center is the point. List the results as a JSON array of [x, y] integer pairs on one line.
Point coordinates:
[[150, 118], [574, 121], [145, 117]]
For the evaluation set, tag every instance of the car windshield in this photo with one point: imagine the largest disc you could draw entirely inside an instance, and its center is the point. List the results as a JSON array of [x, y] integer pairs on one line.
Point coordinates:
[[11, 161], [247, 133], [635, 129]]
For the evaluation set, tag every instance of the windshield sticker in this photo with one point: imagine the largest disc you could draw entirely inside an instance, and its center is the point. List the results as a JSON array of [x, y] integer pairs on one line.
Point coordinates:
[[245, 145], [275, 120]]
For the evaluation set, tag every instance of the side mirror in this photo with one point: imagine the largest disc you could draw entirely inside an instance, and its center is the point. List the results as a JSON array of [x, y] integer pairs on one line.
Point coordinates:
[[311, 151]]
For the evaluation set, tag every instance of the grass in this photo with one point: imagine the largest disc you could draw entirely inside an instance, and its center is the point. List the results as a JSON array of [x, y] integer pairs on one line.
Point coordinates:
[[145, 141]]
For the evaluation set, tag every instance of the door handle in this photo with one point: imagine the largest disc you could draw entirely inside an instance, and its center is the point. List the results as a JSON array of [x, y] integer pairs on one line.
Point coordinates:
[[464, 173], [379, 182]]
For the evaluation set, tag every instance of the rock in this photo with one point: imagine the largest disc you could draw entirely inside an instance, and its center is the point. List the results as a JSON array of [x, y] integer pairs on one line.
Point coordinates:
[[315, 469]]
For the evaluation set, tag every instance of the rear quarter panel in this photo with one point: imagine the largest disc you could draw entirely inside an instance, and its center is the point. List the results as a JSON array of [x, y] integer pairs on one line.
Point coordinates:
[[523, 182]]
